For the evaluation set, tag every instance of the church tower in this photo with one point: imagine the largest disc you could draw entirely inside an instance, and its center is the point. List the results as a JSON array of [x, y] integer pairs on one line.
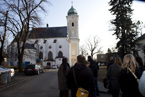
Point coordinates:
[[73, 34]]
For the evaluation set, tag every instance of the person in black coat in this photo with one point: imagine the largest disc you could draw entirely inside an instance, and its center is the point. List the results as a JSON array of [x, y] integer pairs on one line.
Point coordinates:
[[110, 62], [140, 63], [84, 77], [94, 67], [112, 75], [128, 83], [62, 80]]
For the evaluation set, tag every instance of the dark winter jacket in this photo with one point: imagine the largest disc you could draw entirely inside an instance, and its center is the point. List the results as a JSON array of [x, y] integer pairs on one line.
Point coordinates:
[[94, 67], [112, 74], [111, 62], [84, 78], [128, 83], [62, 80]]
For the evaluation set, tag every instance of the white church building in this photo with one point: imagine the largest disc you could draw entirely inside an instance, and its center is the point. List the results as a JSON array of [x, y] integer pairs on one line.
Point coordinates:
[[50, 44]]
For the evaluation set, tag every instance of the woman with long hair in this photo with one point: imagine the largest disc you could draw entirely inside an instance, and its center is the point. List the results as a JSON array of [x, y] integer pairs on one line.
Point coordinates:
[[62, 80], [127, 81], [112, 75]]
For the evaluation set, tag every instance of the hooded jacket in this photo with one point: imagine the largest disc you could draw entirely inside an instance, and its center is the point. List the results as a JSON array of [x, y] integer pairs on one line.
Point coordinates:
[[84, 78]]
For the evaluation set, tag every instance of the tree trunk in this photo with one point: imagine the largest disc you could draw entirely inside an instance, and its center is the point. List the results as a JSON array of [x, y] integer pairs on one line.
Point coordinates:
[[20, 63], [1, 58]]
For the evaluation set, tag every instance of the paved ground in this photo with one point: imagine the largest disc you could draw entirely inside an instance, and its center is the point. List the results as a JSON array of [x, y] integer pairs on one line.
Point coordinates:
[[20, 77]]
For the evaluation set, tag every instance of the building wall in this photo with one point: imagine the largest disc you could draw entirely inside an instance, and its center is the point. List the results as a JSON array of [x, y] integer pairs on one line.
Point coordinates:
[[70, 45], [12, 55], [55, 48], [73, 35], [101, 58], [32, 54], [72, 30], [141, 52], [74, 51]]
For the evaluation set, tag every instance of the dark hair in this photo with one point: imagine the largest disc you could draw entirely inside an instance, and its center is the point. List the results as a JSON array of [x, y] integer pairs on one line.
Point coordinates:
[[86, 62], [64, 60], [118, 61], [81, 59], [90, 58], [64, 63], [139, 61]]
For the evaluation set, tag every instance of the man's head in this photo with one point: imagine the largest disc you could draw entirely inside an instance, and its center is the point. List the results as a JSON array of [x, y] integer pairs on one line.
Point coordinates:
[[87, 63], [81, 59], [90, 58], [111, 58]]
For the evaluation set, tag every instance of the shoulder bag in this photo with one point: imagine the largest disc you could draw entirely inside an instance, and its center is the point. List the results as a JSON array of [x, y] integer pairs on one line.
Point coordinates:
[[106, 83], [133, 75], [81, 92]]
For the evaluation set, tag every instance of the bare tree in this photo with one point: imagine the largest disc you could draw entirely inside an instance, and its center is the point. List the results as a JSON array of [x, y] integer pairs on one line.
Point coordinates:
[[23, 14], [83, 50], [92, 45], [113, 49], [139, 26], [4, 16]]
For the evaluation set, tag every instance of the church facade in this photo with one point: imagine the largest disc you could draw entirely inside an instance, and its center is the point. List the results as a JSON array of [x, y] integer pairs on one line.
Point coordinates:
[[50, 44]]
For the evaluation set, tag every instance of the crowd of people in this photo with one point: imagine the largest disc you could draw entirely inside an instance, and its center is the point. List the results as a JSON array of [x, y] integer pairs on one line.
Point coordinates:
[[123, 76], [84, 74]]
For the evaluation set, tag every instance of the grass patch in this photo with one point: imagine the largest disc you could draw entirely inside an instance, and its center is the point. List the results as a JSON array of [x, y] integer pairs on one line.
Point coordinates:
[[102, 73]]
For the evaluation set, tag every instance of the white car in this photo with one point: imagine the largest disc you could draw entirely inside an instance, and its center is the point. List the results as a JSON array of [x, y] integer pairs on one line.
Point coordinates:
[[54, 67], [10, 69]]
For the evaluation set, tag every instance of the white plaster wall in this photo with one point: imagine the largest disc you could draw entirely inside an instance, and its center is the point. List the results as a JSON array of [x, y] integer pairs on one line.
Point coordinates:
[[65, 47], [44, 63], [12, 59], [58, 61], [140, 52], [30, 56], [54, 49]]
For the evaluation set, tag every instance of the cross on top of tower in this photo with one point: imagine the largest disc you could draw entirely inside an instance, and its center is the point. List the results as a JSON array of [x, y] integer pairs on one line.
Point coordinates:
[[72, 3], [72, 10]]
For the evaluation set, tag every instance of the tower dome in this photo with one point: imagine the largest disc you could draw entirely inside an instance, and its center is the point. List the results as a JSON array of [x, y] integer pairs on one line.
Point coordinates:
[[72, 11]]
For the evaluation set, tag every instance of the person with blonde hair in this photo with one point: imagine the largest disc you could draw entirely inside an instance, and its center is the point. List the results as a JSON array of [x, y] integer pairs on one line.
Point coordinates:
[[127, 81], [112, 75]]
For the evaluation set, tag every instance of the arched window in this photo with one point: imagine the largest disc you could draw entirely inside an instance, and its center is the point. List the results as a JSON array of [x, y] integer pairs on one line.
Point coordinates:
[[40, 55], [72, 24], [60, 54], [41, 47], [49, 47], [50, 55], [60, 46]]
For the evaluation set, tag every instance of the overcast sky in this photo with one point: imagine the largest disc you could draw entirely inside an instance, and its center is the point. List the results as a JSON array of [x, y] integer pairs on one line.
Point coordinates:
[[94, 18]]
